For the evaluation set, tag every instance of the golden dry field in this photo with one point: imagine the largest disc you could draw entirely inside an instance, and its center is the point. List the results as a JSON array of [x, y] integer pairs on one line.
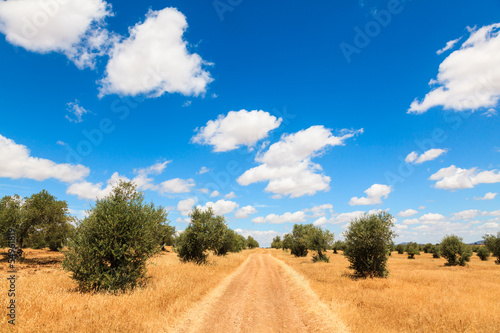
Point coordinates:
[[420, 295], [48, 302]]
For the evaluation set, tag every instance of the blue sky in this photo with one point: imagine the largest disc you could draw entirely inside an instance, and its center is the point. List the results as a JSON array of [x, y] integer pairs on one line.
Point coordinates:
[[272, 113]]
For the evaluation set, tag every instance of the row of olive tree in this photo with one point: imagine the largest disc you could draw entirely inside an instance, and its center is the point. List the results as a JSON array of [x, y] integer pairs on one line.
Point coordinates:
[[208, 232], [305, 237], [39, 221]]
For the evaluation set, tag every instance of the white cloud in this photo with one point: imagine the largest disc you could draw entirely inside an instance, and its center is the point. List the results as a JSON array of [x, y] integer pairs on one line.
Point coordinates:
[[236, 129], [142, 179], [176, 185], [468, 78], [287, 165], [431, 218], [204, 190], [203, 170], [322, 220], [61, 143], [214, 194], [186, 206], [429, 155], [154, 59], [466, 214], [221, 207], [487, 196], [74, 28], [288, 217], [453, 178], [374, 195], [449, 46], [230, 195], [16, 162], [490, 113], [411, 221], [319, 210], [90, 191], [244, 212], [77, 111], [407, 213]]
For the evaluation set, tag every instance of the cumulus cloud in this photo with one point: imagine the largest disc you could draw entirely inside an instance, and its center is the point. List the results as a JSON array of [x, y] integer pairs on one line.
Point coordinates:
[[74, 28], [374, 195], [407, 213], [214, 194], [230, 195], [245, 212], [431, 218], [429, 155], [91, 191], [487, 196], [220, 207], [236, 129], [449, 46], [176, 185], [287, 166], [468, 78], [143, 181], [466, 214], [154, 59], [288, 217], [320, 210], [344, 217], [453, 178], [186, 206], [16, 162]]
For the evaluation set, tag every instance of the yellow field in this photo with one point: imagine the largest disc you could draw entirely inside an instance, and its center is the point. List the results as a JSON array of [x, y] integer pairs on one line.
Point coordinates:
[[420, 295], [47, 300]]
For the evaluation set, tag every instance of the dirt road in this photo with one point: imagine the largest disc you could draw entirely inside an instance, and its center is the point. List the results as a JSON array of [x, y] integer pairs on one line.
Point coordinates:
[[263, 295]]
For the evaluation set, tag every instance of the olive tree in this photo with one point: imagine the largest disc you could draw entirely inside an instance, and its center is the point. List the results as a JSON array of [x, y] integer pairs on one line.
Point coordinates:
[[252, 243], [320, 240], [455, 251], [483, 253], [412, 249], [492, 242], [367, 243], [111, 245], [205, 232], [276, 243]]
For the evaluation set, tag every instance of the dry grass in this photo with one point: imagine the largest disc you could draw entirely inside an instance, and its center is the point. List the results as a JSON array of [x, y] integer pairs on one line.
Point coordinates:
[[420, 295], [47, 300]]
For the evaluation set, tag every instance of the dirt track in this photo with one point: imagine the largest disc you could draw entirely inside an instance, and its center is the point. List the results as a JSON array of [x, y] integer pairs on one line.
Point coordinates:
[[263, 295]]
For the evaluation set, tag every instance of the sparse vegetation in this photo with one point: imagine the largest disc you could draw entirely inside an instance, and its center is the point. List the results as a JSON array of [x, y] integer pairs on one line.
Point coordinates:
[[455, 251], [367, 242]]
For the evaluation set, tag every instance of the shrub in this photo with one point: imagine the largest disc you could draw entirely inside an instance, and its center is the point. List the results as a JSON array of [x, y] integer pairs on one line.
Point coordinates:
[[367, 242], [455, 251], [112, 245], [483, 253], [400, 248], [412, 249], [436, 251], [492, 242]]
